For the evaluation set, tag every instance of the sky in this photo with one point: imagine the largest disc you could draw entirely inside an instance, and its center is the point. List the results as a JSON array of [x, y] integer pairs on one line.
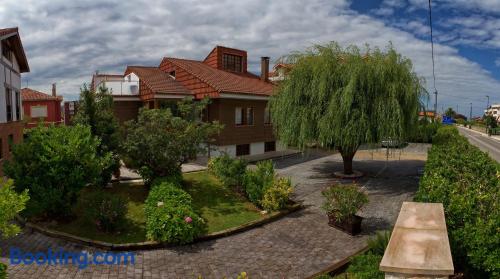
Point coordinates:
[[67, 41]]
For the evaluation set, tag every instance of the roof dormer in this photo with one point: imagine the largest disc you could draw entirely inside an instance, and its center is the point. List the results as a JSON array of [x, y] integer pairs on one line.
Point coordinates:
[[227, 59]]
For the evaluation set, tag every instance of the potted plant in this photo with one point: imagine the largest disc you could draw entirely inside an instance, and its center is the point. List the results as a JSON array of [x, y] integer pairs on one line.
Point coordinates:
[[341, 204]]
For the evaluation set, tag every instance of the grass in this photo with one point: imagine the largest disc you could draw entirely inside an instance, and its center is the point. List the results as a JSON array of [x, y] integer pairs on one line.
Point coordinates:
[[221, 207]]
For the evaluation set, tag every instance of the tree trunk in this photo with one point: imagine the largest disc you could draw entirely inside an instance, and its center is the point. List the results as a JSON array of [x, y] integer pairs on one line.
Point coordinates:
[[347, 158]]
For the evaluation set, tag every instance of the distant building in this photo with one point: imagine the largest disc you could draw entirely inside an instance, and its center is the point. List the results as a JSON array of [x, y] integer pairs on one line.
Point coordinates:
[[13, 62], [426, 114], [493, 110], [70, 110], [279, 72], [38, 106]]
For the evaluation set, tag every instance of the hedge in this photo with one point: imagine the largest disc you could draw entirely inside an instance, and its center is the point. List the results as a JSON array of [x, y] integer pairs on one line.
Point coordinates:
[[466, 181]]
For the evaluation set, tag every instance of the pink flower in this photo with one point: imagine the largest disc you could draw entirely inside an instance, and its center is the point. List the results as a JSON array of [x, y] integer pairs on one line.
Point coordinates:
[[188, 219]]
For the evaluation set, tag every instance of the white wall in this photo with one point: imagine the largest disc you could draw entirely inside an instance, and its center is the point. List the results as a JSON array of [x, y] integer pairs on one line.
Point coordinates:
[[121, 86], [13, 79]]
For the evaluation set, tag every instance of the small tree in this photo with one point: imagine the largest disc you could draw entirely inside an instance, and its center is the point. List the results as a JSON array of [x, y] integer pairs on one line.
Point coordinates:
[[450, 112], [55, 163], [95, 109], [342, 97], [159, 143]]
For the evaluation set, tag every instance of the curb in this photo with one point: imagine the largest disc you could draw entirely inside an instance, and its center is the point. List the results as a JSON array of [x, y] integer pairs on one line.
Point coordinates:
[[147, 245], [341, 264]]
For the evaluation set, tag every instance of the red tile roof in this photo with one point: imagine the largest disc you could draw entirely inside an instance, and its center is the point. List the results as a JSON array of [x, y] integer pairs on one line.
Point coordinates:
[[157, 80], [222, 81], [29, 94]]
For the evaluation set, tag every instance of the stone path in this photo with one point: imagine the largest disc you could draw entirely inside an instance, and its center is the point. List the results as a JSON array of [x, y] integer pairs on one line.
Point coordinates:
[[296, 246]]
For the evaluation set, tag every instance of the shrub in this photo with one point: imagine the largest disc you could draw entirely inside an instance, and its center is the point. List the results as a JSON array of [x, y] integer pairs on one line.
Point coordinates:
[[424, 131], [164, 192], [342, 202], [466, 181], [159, 142], [366, 266], [175, 179], [257, 181], [105, 210], [170, 216], [11, 203], [54, 164], [277, 196], [229, 171], [3, 271]]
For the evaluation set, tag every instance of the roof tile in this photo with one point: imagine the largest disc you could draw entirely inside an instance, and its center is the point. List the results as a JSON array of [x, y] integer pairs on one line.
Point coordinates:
[[158, 81], [29, 94]]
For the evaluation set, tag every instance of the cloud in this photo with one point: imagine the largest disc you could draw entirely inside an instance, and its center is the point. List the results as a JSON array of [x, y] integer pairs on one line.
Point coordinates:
[[497, 62], [67, 41]]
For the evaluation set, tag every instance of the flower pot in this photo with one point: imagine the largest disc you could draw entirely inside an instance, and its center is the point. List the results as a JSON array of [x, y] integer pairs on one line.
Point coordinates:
[[351, 225]]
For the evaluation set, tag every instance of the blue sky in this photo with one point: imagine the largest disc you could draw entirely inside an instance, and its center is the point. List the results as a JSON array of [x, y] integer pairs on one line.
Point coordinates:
[[67, 41]]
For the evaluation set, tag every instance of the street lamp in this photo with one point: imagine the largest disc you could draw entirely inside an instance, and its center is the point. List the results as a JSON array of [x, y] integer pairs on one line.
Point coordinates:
[[488, 103]]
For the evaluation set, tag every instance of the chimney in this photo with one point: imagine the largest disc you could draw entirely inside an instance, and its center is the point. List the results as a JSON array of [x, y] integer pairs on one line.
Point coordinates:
[[54, 90], [264, 68]]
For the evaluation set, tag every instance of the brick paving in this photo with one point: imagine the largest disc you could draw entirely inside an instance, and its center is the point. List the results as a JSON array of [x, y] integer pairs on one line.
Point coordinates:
[[296, 246]]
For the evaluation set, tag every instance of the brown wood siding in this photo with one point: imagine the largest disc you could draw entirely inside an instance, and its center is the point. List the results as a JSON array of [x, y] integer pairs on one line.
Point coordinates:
[[126, 110], [192, 83], [223, 110]]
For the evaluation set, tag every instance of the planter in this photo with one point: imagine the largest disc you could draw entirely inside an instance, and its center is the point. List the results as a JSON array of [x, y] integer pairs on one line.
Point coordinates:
[[351, 226]]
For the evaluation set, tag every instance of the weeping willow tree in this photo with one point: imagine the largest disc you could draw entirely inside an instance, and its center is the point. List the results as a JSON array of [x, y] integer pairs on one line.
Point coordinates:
[[345, 97]]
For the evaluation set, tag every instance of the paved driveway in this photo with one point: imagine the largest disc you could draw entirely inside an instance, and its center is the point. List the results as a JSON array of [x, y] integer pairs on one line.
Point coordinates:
[[296, 246]]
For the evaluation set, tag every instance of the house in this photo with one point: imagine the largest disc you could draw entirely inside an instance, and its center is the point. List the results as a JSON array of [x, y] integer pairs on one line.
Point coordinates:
[[238, 98], [493, 110], [13, 62], [279, 72], [38, 106], [70, 110]]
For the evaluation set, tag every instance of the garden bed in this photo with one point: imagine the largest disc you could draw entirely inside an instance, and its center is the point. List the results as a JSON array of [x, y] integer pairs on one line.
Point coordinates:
[[224, 211]]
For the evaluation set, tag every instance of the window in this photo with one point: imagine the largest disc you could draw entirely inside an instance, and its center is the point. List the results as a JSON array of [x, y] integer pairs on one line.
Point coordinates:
[[269, 146], [249, 116], [18, 106], [10, 142], [238, 116], [267, 116], [38, 111], [8, 102], [6, 51], [172, 74], [232, 62], [242, 149]]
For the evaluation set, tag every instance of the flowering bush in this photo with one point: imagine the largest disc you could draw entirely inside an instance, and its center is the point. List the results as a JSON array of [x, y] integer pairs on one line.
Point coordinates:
[[170, 216], [277, 196], [105, 210]]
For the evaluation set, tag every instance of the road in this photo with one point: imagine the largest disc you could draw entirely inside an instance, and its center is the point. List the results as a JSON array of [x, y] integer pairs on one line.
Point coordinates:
[[485, 143]]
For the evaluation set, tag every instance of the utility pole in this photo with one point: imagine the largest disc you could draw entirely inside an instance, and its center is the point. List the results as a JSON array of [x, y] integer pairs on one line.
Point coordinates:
[[487, 104], [457, 110], [470, 113], [435, 103]]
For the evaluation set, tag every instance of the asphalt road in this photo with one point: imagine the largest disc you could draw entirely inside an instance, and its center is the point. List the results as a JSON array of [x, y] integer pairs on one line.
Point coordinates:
[[485, 143]]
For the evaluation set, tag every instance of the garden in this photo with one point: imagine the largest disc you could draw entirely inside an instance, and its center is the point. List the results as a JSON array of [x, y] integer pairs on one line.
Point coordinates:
[[67, 170]]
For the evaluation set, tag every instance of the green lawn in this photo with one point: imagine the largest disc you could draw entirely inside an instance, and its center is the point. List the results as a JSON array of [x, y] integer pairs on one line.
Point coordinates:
[[220, 207]]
